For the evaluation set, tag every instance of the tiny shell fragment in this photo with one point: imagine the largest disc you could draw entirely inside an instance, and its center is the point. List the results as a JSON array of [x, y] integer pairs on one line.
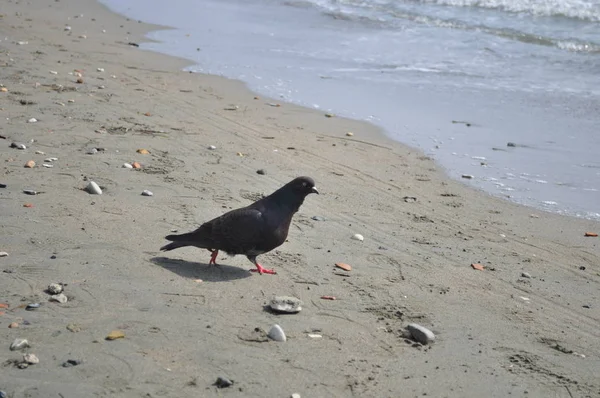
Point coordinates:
[[4, 89], [591, 234], [3, 305], [358, 237], [344, 266], [349, 134], [31, 359], [13, 325], [145, 192], [27, 205], [477, 266], [115, 334], [136, 165], [127, 166], [30, 164], [328, 297], [143, 151]]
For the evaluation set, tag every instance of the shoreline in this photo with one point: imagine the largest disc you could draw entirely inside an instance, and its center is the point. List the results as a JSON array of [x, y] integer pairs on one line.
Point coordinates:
[[186, 323]]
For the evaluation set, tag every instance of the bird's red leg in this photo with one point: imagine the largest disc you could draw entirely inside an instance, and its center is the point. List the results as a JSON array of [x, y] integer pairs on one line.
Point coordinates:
[[262, 270], [213, 257]]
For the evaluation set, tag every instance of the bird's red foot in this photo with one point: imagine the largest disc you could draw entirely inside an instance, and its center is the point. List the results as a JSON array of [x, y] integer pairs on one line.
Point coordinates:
[[213, 257], [262, 270]]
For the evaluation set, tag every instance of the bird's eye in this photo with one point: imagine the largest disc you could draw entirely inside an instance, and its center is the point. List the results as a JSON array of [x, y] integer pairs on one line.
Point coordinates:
[[304, 184]]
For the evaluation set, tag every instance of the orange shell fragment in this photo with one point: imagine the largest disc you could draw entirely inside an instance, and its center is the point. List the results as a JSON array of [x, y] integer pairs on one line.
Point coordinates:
[[344, 266], [477, 266]]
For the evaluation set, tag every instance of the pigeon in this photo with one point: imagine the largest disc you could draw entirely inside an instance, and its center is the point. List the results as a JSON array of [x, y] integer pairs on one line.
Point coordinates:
[[252, 230]]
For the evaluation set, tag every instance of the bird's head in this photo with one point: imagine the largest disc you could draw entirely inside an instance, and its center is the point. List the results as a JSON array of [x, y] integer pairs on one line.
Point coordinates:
[[303, 186]]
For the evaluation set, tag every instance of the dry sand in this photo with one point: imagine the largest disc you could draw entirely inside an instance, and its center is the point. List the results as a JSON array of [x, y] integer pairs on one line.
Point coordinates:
[[497, 334]]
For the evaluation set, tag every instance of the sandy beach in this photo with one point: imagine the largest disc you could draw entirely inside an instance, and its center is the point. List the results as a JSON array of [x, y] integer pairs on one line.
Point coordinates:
[[527, 325]]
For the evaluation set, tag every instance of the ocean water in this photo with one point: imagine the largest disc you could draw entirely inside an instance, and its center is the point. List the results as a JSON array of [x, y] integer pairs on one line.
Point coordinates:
[[459, 79]]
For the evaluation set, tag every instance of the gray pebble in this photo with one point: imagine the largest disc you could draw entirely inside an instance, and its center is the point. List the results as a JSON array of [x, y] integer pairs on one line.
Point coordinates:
[[55, 288], [262, 172], [71, 362], [91, 151], [525, 275], [223, 382], [286, 304], [145, 192], [276, 333], [511, 144], [29, 192], [93, 188], [3, 394], [32, 306], [59, 298], [318, 218], [420, 333]]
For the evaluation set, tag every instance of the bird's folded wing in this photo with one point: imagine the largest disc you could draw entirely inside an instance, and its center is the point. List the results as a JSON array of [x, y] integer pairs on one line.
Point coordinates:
[[241, 229]]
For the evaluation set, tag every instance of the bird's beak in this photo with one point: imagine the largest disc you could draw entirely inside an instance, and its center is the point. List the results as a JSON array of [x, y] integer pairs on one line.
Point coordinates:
[[314, 190]]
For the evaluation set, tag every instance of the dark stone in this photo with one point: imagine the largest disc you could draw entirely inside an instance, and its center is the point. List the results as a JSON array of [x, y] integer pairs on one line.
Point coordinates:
[[223, 382]]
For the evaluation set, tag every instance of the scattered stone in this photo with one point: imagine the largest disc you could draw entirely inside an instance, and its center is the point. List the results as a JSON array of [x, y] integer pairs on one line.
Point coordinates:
[[32, 120], [40, 153], [145, 192], [358, 237], [420, 333], [30, 192], [286, 304], [18, 145], [467, 176], [93, 188], [30, 164], [526, 275], [142, 151], [127, 166], [262, 172], [511, 144], [328, 297], [136, 165], [100, 69], [50, 160], [212, 147], [59, 298], [30, 359], [47, 165], [590, 234], [349, 134], [582, 267], [55, 288], [276, 333], [256, 335], [115, 334], [3, 254], [53, 72], [315, 336], [32, 306], [67, 28], [91, 151], [223, 382], [329, 115], [74, 328], [13, 325], [344, 266], [232, 108], [71, 362], [318, 218], [409, 199], [19, 344], [478, 266]]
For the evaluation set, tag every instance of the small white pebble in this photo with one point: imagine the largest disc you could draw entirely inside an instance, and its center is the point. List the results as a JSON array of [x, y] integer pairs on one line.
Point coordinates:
[[3, 254], [53, 72], [358, 237], [30, 359], [39, 153], [51, 160], [71, 101], [103, 30], [67, 28], [48, 166], [113, 76], [32, 120], [100, 69], [524, 298], [420, 333], [314, 336], [276, 333], [295, 395], [212, 147], [145, 192], [82, 36], [21, 43], [127, 166], [93, 188]]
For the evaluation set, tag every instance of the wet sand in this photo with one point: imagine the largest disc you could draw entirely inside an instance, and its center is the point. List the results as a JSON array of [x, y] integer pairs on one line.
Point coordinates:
[[185, 323]]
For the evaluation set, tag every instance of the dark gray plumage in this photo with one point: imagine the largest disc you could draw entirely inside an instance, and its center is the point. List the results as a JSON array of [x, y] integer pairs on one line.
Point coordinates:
[[251, 230]]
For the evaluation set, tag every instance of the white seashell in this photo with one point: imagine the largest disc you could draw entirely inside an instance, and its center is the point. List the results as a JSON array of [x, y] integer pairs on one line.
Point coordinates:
[[22, 43], [71, 101], [358, 237], [19, 344], [40, 153], [3, 254], [55, 288], [32, 120], [212, 147], [48, 166], [54, 72], [82, 36], [18, 145], [127, 166], [314, 336], [145, 192], [290, 305], [276, 333], [51, 160], [100, 69], [31, 359], [59, 298], [93, 188], [67, 28], [420, 333], [296, 395]]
